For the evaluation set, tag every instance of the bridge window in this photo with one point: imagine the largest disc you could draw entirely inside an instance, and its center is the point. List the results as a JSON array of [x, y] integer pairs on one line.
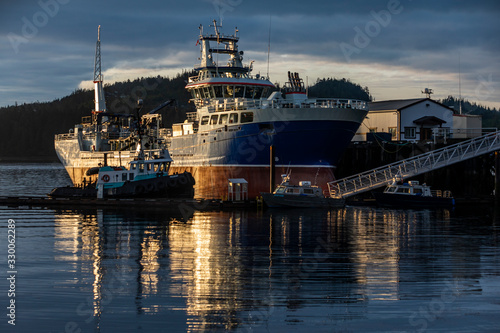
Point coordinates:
[[218, 92], [213, 119], [266, 92], [249, 92], [207, 92], [204, 120], [223, 119], [239, 91], [233, 118], [196, 93], [229, 92], [258, 92], [246, 117]]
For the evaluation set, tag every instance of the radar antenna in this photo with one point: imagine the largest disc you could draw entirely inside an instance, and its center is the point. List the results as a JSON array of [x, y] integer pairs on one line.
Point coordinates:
[[428, 92]]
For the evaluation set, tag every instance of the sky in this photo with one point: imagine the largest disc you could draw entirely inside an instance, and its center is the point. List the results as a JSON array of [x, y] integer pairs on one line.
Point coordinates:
[[396, 48]]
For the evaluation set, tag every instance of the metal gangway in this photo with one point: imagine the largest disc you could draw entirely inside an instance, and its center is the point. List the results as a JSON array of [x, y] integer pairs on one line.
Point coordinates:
[[413, 166]]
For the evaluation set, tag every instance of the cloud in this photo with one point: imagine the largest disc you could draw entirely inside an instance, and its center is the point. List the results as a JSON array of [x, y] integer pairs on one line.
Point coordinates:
[[417, 47]]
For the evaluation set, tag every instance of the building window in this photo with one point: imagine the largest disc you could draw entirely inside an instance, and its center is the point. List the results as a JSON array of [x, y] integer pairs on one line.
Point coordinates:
[[394, 132], [410, 132]]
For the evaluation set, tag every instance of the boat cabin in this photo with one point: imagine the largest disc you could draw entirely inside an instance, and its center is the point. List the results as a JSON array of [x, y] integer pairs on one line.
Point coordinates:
[[304, 188], [137, 170], [413, 187]]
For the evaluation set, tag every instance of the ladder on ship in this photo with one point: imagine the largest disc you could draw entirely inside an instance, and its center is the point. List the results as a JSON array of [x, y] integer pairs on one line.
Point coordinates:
[[382, 176]]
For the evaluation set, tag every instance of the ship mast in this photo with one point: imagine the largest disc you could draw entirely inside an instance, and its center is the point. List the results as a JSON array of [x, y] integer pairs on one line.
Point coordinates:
[[100, 103]]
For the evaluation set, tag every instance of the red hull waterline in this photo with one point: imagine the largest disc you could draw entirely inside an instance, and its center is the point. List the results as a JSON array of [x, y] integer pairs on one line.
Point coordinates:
[[212, 181]]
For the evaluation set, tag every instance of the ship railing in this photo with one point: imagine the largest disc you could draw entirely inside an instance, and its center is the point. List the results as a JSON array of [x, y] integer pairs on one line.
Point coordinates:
[[165, 132], [220, 105], [89, 136], [340, 103], [65, 136], [194, 78], [192, 116]]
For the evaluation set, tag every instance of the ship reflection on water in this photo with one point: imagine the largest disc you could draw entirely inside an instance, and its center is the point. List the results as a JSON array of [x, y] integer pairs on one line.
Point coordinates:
[[243, 270]]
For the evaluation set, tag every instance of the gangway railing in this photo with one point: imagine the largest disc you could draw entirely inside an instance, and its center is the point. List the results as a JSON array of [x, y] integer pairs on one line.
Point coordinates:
[[413, 166]]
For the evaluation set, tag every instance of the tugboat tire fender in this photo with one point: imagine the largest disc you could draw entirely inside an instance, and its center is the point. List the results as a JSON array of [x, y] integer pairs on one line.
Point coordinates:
[[183, 179], [150, 187], [139, 189], [191, 178], [161, 186], [172, 182]]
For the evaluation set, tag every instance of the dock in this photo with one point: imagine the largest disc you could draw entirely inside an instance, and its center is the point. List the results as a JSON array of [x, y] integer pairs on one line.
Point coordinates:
[[416, 165], [181, 204], [186, 204]]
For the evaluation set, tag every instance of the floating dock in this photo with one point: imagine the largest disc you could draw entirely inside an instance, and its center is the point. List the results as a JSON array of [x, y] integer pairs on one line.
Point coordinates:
[[194, 204], [187, 204]]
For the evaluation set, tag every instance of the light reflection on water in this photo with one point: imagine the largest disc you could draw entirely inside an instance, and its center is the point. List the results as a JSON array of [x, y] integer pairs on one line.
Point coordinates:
[[277, 270]]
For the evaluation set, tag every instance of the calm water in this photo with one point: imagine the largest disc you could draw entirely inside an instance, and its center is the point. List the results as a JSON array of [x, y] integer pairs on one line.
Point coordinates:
[[347, 270]]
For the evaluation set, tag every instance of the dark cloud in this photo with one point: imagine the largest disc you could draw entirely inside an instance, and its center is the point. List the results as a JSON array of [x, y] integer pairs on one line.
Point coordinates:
[[58, 47]]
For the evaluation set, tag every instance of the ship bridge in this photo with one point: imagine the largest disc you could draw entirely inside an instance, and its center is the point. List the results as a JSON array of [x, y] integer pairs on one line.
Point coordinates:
[[382, 176]]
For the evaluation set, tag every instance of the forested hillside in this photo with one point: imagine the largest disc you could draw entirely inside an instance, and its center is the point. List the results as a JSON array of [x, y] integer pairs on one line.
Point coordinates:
[[491, 117], [27, 130], [341, 88]]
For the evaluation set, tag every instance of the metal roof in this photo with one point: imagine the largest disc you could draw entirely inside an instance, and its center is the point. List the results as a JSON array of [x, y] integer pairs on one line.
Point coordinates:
[[394, 104], [237, 181], [429, 120]]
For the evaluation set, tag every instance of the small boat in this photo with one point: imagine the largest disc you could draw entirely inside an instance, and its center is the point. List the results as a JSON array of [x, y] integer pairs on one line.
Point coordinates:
[[412, 194], [145, 177], [303, 195]]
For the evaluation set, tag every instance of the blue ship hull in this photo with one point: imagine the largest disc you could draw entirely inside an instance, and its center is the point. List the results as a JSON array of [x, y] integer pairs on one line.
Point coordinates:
[[310, 149], [304, 143]]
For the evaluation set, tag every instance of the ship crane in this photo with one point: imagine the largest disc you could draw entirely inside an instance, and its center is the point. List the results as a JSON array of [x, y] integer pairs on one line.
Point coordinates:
[[100, 103]]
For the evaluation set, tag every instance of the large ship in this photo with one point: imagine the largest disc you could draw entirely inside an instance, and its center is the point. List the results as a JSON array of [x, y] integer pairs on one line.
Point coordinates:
[[243, 127]]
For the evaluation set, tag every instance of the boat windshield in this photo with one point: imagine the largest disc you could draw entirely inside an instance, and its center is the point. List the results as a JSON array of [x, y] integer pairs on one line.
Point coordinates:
[[391, 189], [280, 189]]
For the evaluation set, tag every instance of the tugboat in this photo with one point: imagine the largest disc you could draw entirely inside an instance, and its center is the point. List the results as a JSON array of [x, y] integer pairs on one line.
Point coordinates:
[[303, 195], [145, 177], [413, 194]]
